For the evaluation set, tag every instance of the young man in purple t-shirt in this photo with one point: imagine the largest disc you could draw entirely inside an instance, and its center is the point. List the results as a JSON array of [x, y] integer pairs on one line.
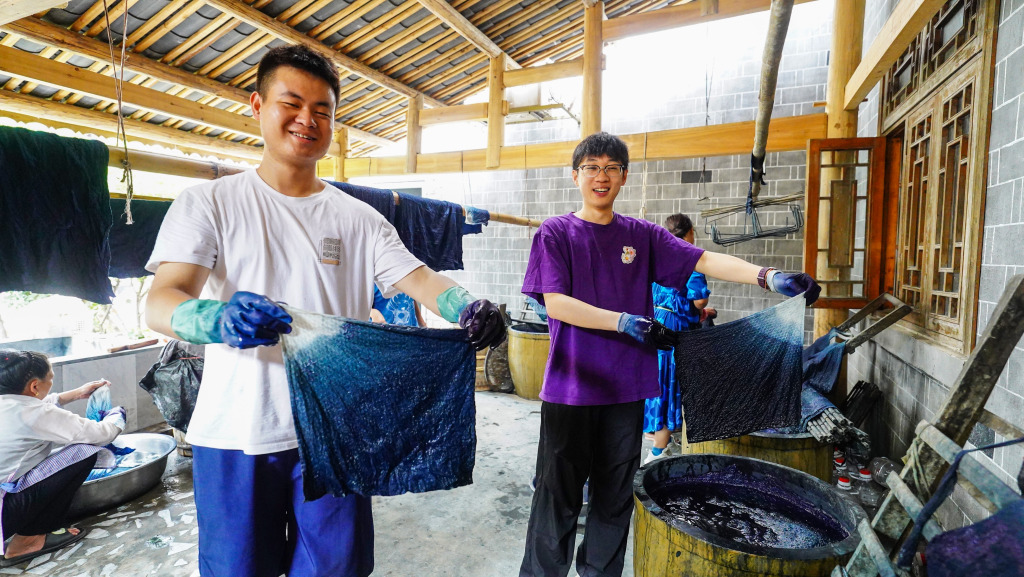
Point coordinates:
[[593, 270]]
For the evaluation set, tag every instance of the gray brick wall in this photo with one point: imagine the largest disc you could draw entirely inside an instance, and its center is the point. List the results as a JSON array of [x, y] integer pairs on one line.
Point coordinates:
[[914, 374]]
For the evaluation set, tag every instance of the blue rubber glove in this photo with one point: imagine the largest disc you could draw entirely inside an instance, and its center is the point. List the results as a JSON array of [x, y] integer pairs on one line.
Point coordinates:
[[484, 322], [648, 331], [791, 284], [247, 320]]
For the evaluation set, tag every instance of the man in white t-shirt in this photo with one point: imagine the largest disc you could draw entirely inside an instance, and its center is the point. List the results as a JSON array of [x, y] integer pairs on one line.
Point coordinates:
[[279, 231]]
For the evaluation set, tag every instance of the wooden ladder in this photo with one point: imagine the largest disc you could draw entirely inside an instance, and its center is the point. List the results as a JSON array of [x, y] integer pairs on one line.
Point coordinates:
[[935, 446]]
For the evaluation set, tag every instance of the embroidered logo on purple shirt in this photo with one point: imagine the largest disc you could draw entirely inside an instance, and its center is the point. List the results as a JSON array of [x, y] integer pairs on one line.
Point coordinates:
[[628, 254]]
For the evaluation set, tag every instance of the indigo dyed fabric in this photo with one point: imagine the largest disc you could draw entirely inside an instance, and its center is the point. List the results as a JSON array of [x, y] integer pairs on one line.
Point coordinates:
[[99, 404], [54, 215], [131, 245], [990, 548], [432, 230], [383, 201], [822, 361], [380, 409], [965, 549], [742, 376]]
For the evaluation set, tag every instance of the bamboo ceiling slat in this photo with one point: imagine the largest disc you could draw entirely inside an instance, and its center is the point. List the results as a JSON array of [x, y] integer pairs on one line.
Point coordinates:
[[241, 51], [166, 27], [343, 18], [113, 15], [87, 17], [442, 60], [244, 79], [201, 40], [411, 56], [437, 80], [357, 104], [300, 5], [399, 40], [381, 24], [157, 19]]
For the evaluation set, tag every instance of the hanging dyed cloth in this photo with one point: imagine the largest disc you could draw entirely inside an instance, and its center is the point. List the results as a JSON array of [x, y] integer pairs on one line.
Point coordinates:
[[380, 409], [991, 547], [383, 201], [742, 376], [822, 361], [131, 245], [54, 215]]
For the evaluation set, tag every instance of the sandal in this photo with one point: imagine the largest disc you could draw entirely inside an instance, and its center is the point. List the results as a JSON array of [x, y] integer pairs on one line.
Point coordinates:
[[54, 541]]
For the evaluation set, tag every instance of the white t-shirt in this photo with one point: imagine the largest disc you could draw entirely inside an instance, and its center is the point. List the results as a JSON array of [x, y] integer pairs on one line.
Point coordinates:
[[320, 253], [31, 428]]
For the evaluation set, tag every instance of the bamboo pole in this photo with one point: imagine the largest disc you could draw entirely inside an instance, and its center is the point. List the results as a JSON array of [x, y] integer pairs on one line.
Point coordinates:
[[781, 12], [593, 57], [341, 138]]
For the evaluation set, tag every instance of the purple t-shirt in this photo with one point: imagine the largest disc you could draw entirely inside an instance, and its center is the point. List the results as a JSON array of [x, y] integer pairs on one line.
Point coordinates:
[[610, 266]]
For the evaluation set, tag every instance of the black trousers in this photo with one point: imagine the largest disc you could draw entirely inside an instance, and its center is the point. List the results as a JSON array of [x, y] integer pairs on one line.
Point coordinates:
[[43, 507], [600, 442]]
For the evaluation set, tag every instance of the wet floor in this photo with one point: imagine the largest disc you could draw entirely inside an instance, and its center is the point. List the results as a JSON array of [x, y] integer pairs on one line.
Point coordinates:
[[474, 531]]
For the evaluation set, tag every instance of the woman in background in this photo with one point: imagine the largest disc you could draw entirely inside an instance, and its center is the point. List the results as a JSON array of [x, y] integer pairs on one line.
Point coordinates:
[[679, 312], [36, 487]]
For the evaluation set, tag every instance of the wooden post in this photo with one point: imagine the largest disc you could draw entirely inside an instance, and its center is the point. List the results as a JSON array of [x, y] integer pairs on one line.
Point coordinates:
[[847, 39], [496, 110], [413, 133], [593, 62], [341, 137]]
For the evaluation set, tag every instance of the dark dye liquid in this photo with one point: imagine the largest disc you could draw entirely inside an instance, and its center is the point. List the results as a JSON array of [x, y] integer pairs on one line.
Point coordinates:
[[758, 512]]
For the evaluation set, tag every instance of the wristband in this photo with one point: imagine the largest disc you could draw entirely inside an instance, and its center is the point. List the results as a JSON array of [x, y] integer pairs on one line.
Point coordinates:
[[763, 278]]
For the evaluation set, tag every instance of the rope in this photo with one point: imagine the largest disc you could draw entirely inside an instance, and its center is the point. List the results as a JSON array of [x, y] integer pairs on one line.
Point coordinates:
[[709, 74], [126, 175]]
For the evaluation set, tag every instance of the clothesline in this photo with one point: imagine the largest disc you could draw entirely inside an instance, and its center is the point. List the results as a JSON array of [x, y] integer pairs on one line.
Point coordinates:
[[495, 216]]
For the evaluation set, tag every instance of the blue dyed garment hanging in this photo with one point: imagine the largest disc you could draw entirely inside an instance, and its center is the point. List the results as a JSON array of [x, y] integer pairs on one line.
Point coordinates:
[[54, 215], [131, 245], [822, 361], [380, 409], [742, 376], [383, 201]]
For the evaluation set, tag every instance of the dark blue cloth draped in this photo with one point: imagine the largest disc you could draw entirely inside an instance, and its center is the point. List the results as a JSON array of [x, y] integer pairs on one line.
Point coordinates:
[[131, 245], [380, 409], [742, 376], [432, 230], [54, 215]]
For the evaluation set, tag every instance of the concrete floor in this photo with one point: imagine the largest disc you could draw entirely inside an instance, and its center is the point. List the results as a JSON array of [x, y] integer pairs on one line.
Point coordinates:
[[474, 531]]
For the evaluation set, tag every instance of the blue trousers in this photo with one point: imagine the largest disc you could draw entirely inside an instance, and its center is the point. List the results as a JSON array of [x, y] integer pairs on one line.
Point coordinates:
[[253, 521]]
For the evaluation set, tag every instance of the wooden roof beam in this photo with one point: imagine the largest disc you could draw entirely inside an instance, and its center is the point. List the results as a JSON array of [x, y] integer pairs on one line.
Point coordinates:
[[11, 10], [48, 34], [75, 115], [258, 19], [48, 72], [453, 18], [679, 16], [903, 25]]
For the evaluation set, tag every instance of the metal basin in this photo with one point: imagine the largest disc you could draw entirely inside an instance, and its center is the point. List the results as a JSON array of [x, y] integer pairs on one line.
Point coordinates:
[[108, 492]]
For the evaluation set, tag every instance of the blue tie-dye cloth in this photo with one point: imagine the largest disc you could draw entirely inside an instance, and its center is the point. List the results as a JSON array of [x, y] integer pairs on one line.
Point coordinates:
[[822, 361], [742, 376], [380, 409]]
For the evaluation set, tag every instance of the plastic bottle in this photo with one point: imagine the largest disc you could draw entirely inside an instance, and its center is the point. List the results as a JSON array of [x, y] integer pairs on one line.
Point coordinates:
[[870, 494], [847, 488], [880, 469], [838, 468]]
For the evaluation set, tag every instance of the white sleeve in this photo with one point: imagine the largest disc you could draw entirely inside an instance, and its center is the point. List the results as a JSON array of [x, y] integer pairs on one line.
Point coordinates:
[[52, 399], [188, 234], [391, 260], [51, 423]]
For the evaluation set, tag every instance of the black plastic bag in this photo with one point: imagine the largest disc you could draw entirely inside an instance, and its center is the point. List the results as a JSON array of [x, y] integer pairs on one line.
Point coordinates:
[[174, 382]]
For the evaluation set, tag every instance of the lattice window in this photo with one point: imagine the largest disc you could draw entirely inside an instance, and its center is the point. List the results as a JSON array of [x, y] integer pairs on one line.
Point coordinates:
[[903, 78], [914, 202], [950, 34], [952, 199], [951, 29]]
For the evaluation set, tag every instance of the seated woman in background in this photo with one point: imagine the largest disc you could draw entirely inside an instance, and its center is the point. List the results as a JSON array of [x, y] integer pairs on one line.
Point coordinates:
[[36, 487]]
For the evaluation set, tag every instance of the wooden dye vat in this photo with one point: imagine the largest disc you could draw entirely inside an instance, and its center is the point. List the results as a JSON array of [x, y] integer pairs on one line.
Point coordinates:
[[800, 451], [528, 350], [667, 546]]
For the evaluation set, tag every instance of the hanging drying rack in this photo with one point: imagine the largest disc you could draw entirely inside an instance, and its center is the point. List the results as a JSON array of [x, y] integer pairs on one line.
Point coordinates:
[[751, 226]]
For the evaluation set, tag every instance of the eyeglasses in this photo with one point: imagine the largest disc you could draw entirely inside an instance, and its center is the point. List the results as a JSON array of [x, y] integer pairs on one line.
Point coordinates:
[[592, 170]]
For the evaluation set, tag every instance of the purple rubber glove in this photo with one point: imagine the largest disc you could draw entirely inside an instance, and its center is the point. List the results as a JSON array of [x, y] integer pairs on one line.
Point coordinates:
[[648, 331], [484, 322], [116, 414], [791, 284], [251, 320]]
